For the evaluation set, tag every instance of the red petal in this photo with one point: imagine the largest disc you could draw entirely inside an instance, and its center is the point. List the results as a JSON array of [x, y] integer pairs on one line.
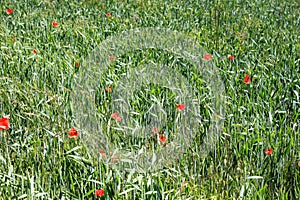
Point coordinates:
[[180, 107], [269, 151], [9, 11], [108, 88], [247, 79], [55, 24], [115, 115], [4, 123], [99, 193], [103, 153], [207, 57], [162, 138], [230, 57], [154, 130], [118, 119], [73, 133]]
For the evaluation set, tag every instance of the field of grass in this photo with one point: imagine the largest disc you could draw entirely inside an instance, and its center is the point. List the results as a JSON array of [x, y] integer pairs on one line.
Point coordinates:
[[44, 48]]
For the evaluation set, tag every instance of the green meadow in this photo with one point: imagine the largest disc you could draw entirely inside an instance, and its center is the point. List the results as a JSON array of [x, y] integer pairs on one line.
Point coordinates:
[[255, 47]]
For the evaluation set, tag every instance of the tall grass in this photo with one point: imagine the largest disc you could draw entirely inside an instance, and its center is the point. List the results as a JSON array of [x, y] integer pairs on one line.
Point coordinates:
[[39, 161]]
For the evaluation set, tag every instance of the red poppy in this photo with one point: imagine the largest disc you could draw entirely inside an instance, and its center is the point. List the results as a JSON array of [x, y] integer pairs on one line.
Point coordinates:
[[108, 88], [108, 14], [34, 51], [54, 24], [116, 116], [99, 193], [162, 138], [103, 153], [4, 123], [76, 64], [269, 151], [14, 39], [154, 130], [230, 57], [118, 119], [73, 133], [247, 79], [112, 58], [9, 11], [180, 107], [299, 163], [207, 57]]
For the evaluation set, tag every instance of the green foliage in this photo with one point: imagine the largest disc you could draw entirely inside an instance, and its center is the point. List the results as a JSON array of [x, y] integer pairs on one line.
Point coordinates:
[[38, 160]]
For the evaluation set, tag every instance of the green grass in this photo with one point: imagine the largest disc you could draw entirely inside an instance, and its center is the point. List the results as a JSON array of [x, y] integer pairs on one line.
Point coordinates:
[[39, 161]]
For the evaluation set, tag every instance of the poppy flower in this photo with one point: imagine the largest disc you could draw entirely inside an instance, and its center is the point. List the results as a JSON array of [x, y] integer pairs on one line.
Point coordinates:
[[162, 138], [73, 133], [4, 123], [116, 117], [154, 130], [269, 151], [108, 88], [99, 193], [34, 51], [112, 58], [9, 11], [54, 24], [108, 15], [299, 163], [247, 79], [207, 57], [76, 64], [14, 39], [103, 153], [180, 107], [230, 57]]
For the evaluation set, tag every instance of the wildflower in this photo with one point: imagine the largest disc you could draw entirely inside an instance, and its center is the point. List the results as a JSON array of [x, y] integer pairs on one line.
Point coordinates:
[[207, 57], [180, 107], [247, 79], [116, 116], [108, 88], [299, 163], [269, 151], [99, 193], [162, 138], [118, 119], [230, 57], [14, 39], [76, 64], [73, 133], [108, 15], [154, 130], [54, 24], [34, 51], [103, 153], [112, 58], [4, 123], [9, 11]]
